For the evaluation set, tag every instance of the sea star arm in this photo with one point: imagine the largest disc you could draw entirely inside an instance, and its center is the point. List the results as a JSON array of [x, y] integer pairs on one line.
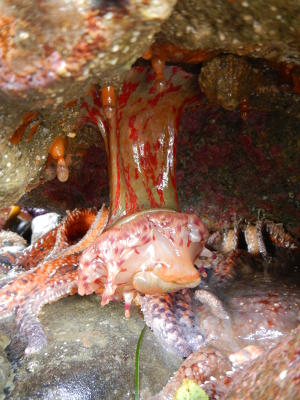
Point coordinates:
[[33, 254], [48, 292], [12, 295], [186, 319], [159, 316]]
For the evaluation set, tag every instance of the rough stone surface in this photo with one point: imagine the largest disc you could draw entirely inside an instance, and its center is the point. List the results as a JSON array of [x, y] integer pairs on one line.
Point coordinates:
[[52, 50], [5, 366], [47, 61], [253, 28], [90, 354]]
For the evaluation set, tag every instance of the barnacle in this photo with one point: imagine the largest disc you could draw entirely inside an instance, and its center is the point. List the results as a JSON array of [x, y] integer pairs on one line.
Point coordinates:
[[226, 80]]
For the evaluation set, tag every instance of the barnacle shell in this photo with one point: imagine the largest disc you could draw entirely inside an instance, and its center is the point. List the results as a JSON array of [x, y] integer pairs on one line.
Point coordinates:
[[226, 80]]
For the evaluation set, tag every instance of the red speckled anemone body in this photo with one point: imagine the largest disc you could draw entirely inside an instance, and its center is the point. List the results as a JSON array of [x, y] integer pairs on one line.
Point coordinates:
[[153, 253], [148, 246]]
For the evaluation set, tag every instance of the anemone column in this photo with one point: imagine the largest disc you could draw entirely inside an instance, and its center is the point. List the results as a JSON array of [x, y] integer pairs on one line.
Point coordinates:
[[140, 140], [148, 245]]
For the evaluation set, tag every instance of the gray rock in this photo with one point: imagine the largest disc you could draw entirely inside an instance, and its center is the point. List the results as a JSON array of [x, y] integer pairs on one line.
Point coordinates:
[[5, 366], [90, 354]]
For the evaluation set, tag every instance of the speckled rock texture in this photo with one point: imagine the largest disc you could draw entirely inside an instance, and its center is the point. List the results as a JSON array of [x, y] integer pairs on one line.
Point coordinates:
[[52, 50], [6, 371], [90, 354], [254, 28]]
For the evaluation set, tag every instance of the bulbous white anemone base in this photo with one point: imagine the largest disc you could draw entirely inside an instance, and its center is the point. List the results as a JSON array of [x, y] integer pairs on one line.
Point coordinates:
[[152, 252]]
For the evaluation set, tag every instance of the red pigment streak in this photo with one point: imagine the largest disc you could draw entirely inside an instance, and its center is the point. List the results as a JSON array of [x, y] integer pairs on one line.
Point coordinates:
[[139, 69], [136, 102], [127, 89], [123, 270], [195, 99], [156, 147], [160, 190], [148, 119], [118, 190], [133, 132], [150, 160], [97, 98], [173, 176], [156, 99], [152, 90], [92, 112], [172, 88], [130, 197], [150, 77], [153, 203]]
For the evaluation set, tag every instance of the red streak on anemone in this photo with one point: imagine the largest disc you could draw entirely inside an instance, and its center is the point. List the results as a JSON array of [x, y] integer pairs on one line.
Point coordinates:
[[133, 131], [127, 89], [130, 195], [141, 139]]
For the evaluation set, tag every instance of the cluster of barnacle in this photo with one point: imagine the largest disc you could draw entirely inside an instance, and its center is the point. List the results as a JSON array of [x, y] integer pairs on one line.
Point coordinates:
[[260, 239]]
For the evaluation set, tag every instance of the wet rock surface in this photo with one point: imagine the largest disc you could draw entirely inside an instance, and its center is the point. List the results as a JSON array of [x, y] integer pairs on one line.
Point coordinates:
[[241, 27], [90, 354], [263, 312], [6, 371], [48, 61]]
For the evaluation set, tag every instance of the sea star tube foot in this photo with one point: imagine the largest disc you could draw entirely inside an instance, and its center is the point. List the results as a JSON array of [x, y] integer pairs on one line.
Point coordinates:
[[215, 304]]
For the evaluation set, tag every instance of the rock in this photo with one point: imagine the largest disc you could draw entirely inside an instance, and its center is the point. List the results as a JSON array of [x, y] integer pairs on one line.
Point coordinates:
[[5, 366], [90, 354], [247, 28], [43, 224]]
